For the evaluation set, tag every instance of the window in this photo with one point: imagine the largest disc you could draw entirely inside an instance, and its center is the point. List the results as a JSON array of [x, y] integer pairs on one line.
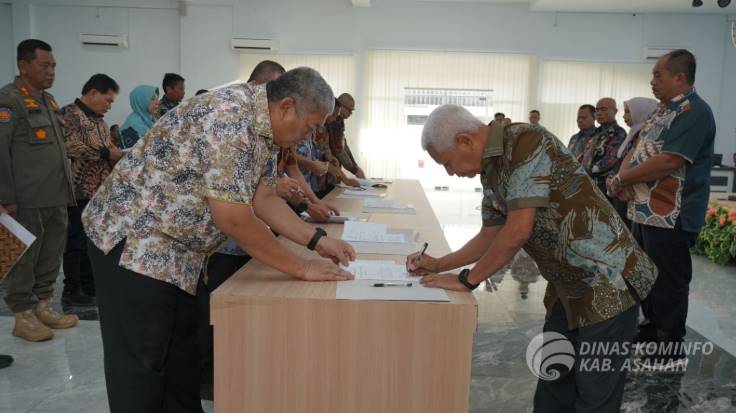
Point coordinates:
[[565, 86], [403, 87]]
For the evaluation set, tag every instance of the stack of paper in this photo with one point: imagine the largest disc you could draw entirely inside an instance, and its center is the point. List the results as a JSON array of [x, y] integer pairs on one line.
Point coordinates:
[[360, 193], [387, 206], [379, 270], [369, 232]]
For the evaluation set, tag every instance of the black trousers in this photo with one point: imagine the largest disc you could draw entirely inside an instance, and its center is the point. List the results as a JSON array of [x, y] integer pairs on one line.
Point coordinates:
[[582, 388], [666, 305], [77, 268], [149, 338], [219, 268]]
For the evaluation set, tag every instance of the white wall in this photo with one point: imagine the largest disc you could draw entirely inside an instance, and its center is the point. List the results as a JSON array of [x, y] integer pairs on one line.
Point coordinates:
[[7, 50], [196, 43]]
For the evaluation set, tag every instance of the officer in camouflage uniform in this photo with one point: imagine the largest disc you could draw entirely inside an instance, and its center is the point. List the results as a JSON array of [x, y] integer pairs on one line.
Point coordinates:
[[35, 187]]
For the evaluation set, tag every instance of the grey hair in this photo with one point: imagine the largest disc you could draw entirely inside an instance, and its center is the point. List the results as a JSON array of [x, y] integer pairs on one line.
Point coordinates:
[[310, 91], [444, 123]]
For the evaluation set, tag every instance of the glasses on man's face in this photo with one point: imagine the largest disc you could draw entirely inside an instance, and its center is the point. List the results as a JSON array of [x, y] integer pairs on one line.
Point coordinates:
[[602, 109]]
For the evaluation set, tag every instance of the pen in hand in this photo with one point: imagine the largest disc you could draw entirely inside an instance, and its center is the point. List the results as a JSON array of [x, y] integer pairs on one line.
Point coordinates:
[[419, 256]]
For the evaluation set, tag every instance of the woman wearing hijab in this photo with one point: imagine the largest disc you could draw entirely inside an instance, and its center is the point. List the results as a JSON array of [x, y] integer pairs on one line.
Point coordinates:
[[636, 112], [144, 102]]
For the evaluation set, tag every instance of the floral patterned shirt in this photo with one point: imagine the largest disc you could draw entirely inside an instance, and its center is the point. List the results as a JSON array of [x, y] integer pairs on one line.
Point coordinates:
[[217, 145], [683, 126], [580, 244], [600, 157]]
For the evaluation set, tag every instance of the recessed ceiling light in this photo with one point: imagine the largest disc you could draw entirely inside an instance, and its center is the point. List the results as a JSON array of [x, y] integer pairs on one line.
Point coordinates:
[[723, 3], [697, 3]]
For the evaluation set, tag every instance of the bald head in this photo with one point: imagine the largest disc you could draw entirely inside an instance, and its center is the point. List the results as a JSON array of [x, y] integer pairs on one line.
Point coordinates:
[[605, 111], [347, 105], [265, 72]]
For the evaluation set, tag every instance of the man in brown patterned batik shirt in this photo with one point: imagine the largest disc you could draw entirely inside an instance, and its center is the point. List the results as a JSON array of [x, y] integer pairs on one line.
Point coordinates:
[[538, 197]]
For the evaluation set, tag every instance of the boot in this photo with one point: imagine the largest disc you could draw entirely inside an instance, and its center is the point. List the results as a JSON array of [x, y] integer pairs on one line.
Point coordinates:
[[51, 318], [30, 328]]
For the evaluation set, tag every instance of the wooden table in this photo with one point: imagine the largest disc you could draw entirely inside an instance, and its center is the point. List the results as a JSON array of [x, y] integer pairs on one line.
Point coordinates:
[[284, 345]]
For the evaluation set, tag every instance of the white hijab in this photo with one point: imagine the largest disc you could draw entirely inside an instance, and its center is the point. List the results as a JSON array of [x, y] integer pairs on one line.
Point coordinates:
[[639, 109]]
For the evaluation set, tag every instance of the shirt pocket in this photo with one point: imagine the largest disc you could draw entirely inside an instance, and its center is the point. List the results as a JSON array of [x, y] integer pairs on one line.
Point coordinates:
[[40, 131]]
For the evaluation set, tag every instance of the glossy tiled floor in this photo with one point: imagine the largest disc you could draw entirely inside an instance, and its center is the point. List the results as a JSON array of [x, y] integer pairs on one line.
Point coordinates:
[[65, 374]]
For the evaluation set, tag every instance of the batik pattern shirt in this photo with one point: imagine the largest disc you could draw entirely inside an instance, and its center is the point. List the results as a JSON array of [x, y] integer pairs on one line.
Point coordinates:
[[683, 126], [600, 158], [218, 145], [86, 134], [579, 141], [580, 244]]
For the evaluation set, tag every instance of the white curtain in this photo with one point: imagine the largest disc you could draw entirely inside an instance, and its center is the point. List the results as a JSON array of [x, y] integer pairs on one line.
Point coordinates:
[[388, 146], [565, 86]]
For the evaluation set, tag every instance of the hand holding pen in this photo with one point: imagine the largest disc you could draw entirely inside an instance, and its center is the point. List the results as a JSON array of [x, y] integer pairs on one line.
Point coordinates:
[[420, 263]]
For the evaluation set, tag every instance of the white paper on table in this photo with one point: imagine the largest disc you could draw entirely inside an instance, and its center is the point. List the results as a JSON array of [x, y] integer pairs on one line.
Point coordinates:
[[17, 229], [361, 194], [364, 290], [385, 204], [379, 270], [369, 232]]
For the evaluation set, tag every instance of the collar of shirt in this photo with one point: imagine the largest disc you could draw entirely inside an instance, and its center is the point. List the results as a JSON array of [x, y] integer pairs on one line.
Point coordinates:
[[262, 117], [26, 90], [676, 101], [168, 102], [587, 131], [87, 111]]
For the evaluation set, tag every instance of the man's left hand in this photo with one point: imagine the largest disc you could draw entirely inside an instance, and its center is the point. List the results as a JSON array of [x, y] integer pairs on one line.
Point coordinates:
[[447, 281], [337, 250]]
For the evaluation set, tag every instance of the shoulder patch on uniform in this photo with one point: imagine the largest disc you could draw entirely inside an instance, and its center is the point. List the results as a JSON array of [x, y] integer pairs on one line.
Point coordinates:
[[6, 115]]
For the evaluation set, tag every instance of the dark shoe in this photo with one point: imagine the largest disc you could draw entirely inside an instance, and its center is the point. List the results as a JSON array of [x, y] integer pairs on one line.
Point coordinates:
[[5, 360], [77, 299], [206, 391]]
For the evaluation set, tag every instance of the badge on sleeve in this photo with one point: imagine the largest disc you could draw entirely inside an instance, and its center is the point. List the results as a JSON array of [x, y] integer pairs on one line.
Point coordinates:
[[40, 134], [6, 115]]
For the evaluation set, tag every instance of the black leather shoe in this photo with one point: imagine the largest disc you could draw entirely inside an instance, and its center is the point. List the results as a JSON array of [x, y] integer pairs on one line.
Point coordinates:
[[77, 299], [5, 360]]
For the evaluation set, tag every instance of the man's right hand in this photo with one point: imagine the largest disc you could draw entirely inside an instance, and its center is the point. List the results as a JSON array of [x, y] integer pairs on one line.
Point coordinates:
[[352, 182], [286, 187], [323, 270], [10, 209], [116, 153], [422, 265]]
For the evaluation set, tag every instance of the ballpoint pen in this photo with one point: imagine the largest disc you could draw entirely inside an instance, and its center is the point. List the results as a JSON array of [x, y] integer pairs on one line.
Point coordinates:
[[391, 285], [424, 249]]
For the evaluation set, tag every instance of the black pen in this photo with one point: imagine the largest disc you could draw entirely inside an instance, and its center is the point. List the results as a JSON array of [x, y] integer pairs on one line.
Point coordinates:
[[391, 285], [424, 249]]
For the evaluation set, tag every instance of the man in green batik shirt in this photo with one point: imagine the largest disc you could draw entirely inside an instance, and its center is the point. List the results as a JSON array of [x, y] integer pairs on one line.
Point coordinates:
[[538, 197]]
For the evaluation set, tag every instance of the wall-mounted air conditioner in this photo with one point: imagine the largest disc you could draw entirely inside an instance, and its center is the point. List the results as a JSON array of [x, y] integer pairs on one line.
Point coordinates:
[[254, 45], [112, 40], [652, 54]]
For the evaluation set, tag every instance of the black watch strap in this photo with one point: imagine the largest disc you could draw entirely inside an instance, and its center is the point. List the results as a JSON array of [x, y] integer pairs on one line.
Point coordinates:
[[463, 278], [318, 233]]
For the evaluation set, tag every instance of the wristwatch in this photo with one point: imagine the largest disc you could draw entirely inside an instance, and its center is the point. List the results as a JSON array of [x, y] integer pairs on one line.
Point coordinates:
[[318, 233], [463, 278]]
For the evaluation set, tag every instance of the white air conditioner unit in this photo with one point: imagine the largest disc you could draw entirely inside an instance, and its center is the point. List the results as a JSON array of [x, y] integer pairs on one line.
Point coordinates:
[[112, 40], [652, 54], [253, 45]]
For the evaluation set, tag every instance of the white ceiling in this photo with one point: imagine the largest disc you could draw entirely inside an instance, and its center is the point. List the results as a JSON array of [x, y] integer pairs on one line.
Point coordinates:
[[615, 6]]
